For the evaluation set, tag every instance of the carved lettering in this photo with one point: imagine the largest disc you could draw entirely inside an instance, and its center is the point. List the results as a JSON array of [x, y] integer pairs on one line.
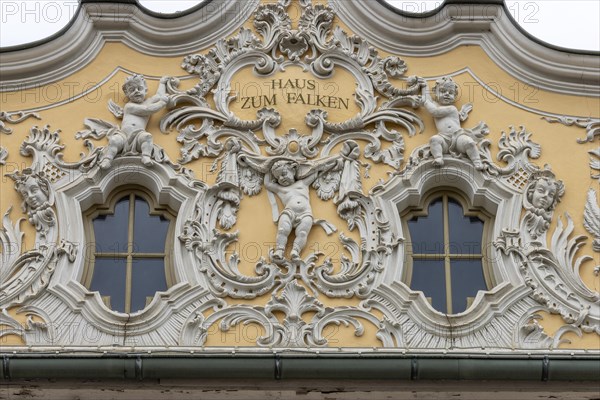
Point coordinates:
[[294, 91], [318, 100], [308, 84], [258, 102]]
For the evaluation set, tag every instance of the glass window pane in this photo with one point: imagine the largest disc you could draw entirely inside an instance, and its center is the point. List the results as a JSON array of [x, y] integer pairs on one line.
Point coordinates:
[[427, 233], [109, 280], [150, 231], [465, 232], [429, 277], [467, 280], [110, 231], [148, 277]]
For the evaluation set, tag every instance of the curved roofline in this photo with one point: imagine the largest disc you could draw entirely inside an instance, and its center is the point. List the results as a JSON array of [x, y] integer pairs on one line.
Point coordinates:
[[386, 4], [502, 3], [39, 42], [486, 24], [157, 14], [140, 6], [97, 22]]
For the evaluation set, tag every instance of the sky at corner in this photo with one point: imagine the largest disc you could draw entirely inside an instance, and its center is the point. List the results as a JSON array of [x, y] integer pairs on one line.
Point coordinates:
[[572, 24]]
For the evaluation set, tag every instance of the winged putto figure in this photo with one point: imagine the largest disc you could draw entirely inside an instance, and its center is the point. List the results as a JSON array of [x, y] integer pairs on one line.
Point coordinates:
[[132, 136], [290, 179], [451, 137]]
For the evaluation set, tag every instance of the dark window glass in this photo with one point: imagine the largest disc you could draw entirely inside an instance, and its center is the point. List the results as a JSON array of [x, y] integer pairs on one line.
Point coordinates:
[[109, 279], [110, 231], [130, 274], [428, 276], [447, 255], [150, 231], [427, 232], [465, 232], [467, 280], [148, 277]]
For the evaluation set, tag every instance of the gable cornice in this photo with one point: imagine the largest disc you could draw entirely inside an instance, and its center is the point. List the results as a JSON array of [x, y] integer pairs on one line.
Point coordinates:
[[486, 24], [455, 23], [98, 22]]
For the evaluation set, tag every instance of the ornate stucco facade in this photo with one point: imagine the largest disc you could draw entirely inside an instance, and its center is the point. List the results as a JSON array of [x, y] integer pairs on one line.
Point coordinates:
[[289, 139]]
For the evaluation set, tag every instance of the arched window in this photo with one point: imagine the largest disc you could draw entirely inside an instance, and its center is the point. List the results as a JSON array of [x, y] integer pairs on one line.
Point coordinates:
[[446, 252], [129, 261]]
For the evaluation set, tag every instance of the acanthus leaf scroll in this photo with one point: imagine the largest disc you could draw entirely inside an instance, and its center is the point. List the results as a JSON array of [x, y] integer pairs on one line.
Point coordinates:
[[24, 276], [306, 158]]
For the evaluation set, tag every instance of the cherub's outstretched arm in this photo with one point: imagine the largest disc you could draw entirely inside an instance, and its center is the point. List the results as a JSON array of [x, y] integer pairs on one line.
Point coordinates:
[[154, 104], [144, 110], [160, 98], [310, 178], [425, 92], [162, 87], [269, 184], [313, 173]]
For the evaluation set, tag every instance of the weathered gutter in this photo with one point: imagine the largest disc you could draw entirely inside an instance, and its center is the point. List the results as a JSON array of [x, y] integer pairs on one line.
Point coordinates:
[[147, 367]]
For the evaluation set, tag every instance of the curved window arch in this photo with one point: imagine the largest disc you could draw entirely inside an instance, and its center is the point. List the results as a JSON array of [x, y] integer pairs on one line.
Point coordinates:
[[129, 259], [446, 247]]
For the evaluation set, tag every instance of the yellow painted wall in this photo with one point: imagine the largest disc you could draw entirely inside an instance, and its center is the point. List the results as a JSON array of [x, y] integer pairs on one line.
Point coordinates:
[[104, 76]]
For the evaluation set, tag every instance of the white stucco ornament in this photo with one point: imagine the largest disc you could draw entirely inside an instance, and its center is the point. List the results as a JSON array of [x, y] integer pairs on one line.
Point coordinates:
[[329, 159], [11, 118], [451, 138], [542, 194], [131, 138], [591, 218], [24, 275], [38, 199], [591, 126]]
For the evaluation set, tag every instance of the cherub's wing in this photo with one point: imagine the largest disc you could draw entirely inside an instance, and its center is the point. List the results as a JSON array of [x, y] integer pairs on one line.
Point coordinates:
[[116, 109], [465, 110], [591, 218], [250, 180], [97, 129], [327, 183]]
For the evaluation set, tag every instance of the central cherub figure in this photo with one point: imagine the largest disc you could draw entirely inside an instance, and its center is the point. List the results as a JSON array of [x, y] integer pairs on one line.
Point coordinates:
[[290, 178], [293, 192], [284, 179]]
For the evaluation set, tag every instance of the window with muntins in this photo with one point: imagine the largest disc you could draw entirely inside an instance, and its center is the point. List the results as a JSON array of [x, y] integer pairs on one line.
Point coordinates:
[[446, 253], [130, 260]]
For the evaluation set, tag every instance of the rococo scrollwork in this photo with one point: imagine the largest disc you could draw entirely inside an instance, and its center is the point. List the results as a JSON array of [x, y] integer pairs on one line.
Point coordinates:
[[25, 275], [292, 286], [591, 126], [12, 118]]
